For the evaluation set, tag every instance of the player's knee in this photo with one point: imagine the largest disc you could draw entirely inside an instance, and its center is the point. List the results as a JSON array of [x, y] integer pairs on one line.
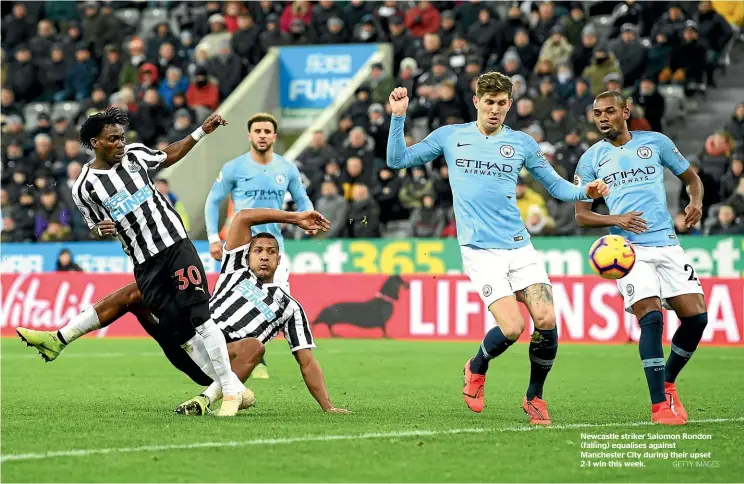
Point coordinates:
[[179, 330], [545, 320], [512, 327]]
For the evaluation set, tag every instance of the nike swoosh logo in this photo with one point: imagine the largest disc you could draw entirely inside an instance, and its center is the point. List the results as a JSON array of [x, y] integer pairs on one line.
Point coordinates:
[[603, 162], [459, 145]]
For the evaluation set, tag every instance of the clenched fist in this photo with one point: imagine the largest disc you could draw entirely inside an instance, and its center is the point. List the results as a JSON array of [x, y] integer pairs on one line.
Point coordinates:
[[399, 101]]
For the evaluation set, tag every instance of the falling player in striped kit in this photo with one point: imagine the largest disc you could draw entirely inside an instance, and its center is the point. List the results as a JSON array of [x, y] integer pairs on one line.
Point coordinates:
[[247, 305], [117, 197]]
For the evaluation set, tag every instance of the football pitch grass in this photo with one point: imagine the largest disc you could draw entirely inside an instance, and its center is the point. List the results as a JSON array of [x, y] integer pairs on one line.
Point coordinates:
[[103, 412]]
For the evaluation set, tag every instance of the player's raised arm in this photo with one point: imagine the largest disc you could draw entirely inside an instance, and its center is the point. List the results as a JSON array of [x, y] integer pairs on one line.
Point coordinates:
[[240, 229], [398, 156], [678, 164], [585, 217], [559, 188], [176, 151]]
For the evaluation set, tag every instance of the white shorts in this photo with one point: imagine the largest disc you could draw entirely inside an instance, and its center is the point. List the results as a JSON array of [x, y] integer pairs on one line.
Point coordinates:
[[661, 272], [281, 276], [499, 273]]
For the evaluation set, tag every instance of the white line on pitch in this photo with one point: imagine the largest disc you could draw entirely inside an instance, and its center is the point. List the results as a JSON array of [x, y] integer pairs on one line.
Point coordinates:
[[14, 356], [330, 438]]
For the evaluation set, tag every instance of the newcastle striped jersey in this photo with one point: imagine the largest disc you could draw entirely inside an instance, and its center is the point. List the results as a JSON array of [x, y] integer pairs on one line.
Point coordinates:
[[244, 307], [146, 222]]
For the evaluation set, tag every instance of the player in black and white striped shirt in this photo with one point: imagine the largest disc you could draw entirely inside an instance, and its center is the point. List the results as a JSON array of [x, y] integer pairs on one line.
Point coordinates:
[[117, 197], [246, 304]]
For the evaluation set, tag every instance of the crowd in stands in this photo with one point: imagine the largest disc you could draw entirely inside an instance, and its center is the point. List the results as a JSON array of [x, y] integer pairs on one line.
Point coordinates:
[[169, 71]]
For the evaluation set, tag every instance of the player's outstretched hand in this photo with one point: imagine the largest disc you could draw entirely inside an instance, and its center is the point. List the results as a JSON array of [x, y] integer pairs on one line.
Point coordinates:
[[105, 228], [399, 101], [632, 222], [337, 410], [693, 214], [213, 122], [597, 189], [311, 220], [215, 250]]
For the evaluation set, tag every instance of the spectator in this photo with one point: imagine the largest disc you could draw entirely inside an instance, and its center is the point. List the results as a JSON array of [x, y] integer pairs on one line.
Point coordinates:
[[378, 127], [355, 172], [569, 151], [538, 221], [359, 108], [637, 121], [442, 188], [736, 200], [217, 36], [321, 14], [726, 223], [272, 36], [182, 126], [730, 180], [546, 20], [735, 126], [360, 145], [64, 190], [16, 26], [629, 12], [202, 27], [13, 160], [23, 76], [364, 214], [689, 60], [403, 43], [659, 58], [652, 102], [164, 188], [71, 153], [422, 19], [203, 92], [710, 188], [526, 197], [173, 83], [447, 27], [65, 262], [80, 77], [130, 70], [334, 207], [415, 187], [485, 33], [447, 107], [630, 54], [244, 42], [24, 216], [298, 33], [389, 185], [226, 68], [582, 56], [14, 131], [525, 114], [556, 48], [670, 24], [102, 28], [386, 11], [151, 117], [232, 11], [297, 10], [558, 125], [380, 83], [407, 74], [52, 73], [167, 58], [716, 154], [9, 105], [41, 44], [52, 218], [603, 63], [428, 220], [565, 84], [337, 139], [42, 157], [574, 24], [715, 32], [546, 98], [368, 30], [431, 48]]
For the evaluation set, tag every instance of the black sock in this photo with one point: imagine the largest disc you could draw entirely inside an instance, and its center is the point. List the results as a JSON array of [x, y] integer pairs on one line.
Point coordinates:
[[543, 348], [684, 344], [492, 346], [61, 338], [652, 354]]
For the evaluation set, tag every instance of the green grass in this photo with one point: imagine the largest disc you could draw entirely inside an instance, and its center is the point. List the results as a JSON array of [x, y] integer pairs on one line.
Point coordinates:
[[90, 399]]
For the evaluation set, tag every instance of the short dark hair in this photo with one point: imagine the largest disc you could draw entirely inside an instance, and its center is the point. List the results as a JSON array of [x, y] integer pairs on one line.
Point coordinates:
[[262, 118], [95, 123], [263, 235], [619, 98]]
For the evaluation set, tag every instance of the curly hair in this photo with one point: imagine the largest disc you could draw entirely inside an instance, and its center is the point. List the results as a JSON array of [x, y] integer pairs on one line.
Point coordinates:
[[93, 125], [493, 83]]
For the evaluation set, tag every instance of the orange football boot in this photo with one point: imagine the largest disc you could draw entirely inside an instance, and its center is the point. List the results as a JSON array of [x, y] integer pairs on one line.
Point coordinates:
[[663, 414], [672, 398], [474, 390], [537, 409]]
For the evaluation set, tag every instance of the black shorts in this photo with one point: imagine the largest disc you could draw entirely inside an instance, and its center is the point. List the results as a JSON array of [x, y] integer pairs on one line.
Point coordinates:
[[173, 280]]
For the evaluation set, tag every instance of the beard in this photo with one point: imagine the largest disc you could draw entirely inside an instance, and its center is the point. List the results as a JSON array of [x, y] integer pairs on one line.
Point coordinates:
[[262, 150]]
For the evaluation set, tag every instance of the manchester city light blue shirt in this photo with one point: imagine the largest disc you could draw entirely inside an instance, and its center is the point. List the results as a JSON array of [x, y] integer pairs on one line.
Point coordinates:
[[483, 172], [253, 185], [635, 174]]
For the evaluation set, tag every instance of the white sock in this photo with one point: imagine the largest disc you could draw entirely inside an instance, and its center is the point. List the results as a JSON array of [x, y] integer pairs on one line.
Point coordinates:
[[80, 325], [216, 348], [213, 392]]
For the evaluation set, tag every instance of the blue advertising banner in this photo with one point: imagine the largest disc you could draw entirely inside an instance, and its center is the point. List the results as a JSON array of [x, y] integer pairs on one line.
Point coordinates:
[[310, 77]]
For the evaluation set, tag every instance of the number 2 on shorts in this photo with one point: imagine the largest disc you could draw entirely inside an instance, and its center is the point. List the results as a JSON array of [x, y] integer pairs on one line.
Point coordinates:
[[194, 277]]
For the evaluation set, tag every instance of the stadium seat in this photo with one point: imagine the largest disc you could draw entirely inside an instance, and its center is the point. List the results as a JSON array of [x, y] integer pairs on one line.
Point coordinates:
[[67, 109], [674, 98], [130, 16], [150, 18], [31, 112], [398, 229]]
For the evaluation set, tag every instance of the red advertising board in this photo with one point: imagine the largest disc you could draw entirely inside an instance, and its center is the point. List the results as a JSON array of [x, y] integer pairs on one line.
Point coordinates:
[[588, 309]]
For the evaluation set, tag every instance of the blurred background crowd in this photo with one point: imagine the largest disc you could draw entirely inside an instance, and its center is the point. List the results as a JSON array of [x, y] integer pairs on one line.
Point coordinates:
[[170, 63]]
